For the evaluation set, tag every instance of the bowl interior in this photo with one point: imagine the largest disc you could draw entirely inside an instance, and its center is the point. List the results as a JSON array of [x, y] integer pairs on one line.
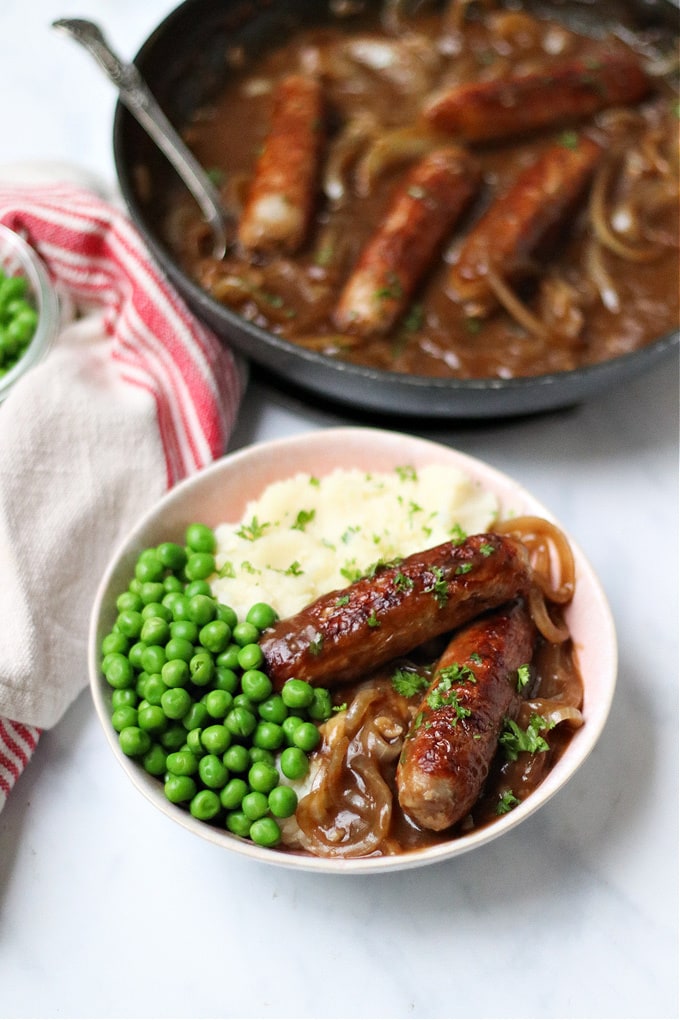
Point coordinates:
[[220, 493], [182, 83]]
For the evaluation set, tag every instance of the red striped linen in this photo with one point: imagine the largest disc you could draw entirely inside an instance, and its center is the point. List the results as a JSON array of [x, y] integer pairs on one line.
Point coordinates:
[[101, 267]]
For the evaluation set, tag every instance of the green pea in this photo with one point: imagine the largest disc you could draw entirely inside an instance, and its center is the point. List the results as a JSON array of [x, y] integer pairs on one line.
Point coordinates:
[[201, 609], [182, 763], [173, 584], [205, 805], [265, 832], [154, 688], [194, 742], [184, 630], [236, 758], [152, 609], [129, 601], [115, 641], [152, 719], [226, 614], [240, 722], [202, 668], [123, 717], [294, 763], [261, 615], [196, 716], [250, 656], [263, 777], [179, 789], [297, 693], [273, 709], [217, 703], [228, 659], [129, 622], [215, 636], [213, 772], [289, 726], [175, 673], [216, 739], [200, 538], [171, 555], [231, 795], [153, 658], [118, 670], [261, 754], [174, 737], [180, 607], [321, 707], [179, 648], [200, 565], [268, 735], [243, 701], [238, 823], [283, 801], [149, 568], [154, 760], [133, 741], [254, 805], [306, 736], [245, 634], [155, 630], [226, 679], [123, 697], [176, 702], [199, 587], [135, 654], [151, 591], [255, 684]]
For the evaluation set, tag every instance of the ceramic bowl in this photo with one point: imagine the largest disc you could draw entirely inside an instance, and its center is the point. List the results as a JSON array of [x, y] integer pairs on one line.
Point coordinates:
[[220, 493]]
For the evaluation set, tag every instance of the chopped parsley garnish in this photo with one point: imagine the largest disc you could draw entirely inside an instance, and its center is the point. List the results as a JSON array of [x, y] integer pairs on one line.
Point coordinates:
[[392, 289], [523, 676], [294, 570], [353, 529], [303, 518], [254, 530], [439, 587], [227, 570], [442, 696], [414, 318], [343, 600], [487, 549], [373, 620], [569, 139], [515, 740], [407, 473], [457, 534], [316, 645], [506, 803], [402, 582], [464, 568], [350, 571], [476, 658], [408, 683], [456, 673]]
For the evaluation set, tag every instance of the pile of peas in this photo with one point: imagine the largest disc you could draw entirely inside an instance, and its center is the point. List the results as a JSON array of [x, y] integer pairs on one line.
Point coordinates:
[[18, 320], [191, 702]]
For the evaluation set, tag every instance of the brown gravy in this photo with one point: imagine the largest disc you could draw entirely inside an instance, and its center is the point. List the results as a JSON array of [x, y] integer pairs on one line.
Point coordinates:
[[609, 304]]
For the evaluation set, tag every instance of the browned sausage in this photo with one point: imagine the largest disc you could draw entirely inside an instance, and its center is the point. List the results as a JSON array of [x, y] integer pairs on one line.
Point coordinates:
[[423, 211], [281, 197], [344, 635], [452, 741], [515, 223], [565, 92]]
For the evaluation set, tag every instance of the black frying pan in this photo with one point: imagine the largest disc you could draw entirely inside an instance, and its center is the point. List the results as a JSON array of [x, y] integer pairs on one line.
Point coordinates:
[[183, 62]]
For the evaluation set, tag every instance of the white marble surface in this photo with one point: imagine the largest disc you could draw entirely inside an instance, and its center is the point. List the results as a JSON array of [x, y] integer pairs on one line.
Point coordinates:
[[108, 910]]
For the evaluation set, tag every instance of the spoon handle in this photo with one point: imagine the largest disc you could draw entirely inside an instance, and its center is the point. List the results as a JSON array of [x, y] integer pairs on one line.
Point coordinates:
[[137, 97]]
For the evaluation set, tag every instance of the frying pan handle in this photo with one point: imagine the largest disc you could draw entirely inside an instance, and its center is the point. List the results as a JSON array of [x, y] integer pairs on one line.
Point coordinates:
[[136, 95]]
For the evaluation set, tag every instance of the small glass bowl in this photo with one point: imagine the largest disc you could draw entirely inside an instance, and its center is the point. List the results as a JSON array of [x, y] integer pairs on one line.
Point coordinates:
[[18, 258]]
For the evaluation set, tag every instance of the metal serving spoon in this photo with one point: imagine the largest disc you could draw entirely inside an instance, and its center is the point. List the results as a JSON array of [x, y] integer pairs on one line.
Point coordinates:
[[137, 97]]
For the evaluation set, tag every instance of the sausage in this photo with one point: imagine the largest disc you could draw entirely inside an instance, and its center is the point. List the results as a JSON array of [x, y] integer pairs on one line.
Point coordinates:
[[348, 633], [448, 751], [515, 223], [424, 209], [567, 91], [282, 193]]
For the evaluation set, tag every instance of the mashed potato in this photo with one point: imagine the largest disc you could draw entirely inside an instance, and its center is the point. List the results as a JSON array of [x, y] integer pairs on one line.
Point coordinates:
[[305, 536]]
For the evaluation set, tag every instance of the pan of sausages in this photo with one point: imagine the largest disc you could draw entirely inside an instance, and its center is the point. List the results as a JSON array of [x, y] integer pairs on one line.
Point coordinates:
[[446, 208]]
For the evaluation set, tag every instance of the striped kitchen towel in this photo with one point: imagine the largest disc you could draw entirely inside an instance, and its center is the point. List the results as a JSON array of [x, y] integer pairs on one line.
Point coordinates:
[[134, 395]]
